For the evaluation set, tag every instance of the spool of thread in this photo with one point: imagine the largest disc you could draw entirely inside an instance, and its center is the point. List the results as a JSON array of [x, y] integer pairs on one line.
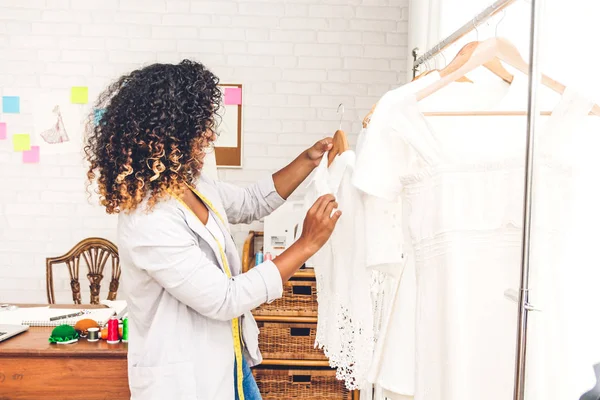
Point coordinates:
[[268, 257], [125, 330], [259, 257], [93, 334], [113, 331]]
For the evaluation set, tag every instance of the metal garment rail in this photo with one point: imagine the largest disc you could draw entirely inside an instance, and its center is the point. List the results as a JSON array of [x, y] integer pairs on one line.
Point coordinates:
[[480, 18], [532, 108]]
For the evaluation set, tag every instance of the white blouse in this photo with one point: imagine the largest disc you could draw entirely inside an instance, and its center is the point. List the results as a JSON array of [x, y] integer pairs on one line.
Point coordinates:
[[345, 324]]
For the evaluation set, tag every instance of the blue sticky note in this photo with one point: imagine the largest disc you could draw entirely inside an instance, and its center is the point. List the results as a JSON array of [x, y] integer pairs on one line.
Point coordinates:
[[98, 113], [11, 104]]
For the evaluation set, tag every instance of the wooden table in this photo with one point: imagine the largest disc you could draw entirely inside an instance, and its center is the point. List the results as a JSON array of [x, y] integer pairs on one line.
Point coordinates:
[[33, 369]]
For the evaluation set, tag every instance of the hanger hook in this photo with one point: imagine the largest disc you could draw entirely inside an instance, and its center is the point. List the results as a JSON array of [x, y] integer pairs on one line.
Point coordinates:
[[499, 22], [445, 61], [342, 114], [476, 30]]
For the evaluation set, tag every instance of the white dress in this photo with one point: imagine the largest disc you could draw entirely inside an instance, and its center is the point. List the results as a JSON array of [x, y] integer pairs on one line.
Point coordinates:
[[388, 255], [463, 194], [345, 324]]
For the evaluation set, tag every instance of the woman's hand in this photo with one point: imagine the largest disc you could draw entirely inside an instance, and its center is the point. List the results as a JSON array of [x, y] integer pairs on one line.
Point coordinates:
[[317, 228], [288, 178], [317, 150], [319, 223]]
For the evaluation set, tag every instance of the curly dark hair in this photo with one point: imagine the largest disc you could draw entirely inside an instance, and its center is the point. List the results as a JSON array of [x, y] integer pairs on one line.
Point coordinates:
[[154, 127]]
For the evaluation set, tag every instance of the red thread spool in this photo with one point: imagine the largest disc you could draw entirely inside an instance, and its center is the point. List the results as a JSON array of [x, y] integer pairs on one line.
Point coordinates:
[[113, 331]]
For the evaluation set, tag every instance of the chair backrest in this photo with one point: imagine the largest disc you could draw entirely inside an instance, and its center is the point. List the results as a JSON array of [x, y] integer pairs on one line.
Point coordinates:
[[96, 253]]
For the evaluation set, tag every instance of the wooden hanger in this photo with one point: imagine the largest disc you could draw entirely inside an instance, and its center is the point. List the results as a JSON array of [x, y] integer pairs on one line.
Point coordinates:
[[340, 145], [494, 65], [442, 73], [483, 53], [367, 117], [340, 141], [461, 79]]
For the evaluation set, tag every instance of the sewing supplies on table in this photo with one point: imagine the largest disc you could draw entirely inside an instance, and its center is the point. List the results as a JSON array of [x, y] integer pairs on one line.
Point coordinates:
[[82, 326], [125, 335], [63, 334], [93, 334], [113, 331], [71, 324]]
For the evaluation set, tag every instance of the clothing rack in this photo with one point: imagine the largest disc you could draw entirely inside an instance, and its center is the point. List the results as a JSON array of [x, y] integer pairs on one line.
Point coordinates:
[[532, 107], [477, 20], [532, 116]]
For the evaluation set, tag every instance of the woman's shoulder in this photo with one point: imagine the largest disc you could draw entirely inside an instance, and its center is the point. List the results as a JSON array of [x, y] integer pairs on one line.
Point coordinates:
[[163, 215]]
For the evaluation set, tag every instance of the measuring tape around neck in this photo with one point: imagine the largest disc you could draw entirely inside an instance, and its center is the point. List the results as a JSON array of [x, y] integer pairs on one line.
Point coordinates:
[[235, 323]]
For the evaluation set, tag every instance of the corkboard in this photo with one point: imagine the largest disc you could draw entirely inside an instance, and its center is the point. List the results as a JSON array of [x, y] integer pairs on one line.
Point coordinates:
[[230, 156]]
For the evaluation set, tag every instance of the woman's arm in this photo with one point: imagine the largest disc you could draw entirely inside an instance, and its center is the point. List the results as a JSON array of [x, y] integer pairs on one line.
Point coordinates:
[[290, 177], [245, 205], [161, 248]]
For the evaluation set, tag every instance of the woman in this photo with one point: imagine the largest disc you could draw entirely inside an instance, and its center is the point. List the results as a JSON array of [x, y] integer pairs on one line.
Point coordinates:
[[191, 332]]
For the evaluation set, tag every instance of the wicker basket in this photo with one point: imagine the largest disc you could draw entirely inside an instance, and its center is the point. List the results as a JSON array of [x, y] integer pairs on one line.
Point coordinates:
[[299, 300], [285, 384], [289, 341]]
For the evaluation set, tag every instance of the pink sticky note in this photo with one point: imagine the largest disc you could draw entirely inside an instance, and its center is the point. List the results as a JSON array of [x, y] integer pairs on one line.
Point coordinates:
[[233, 96], [32, 156], [2, 130]]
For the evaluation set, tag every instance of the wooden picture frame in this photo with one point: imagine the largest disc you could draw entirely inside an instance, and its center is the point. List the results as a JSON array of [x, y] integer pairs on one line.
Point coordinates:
[[231, 157]]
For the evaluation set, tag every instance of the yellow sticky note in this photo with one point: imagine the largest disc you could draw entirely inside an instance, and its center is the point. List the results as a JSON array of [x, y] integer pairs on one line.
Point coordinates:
[[79, 95], [21, 142]]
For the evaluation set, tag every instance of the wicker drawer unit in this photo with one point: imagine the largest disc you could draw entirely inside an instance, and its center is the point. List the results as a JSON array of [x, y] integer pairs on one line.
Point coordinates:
[[289, 341], [299, 300], [312, 384], [292, 368]]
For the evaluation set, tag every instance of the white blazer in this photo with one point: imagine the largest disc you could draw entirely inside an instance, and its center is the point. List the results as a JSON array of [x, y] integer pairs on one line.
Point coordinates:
[[180, 300]]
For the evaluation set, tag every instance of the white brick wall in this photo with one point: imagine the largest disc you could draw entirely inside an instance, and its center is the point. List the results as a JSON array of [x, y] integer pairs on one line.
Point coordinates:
[[297, 59]]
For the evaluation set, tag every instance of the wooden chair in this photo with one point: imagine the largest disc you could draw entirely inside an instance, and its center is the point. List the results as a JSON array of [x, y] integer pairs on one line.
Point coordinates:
[[95, 252]]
